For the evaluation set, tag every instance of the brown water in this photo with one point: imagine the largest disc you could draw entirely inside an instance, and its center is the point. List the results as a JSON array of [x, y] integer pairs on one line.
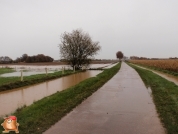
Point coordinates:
[[13, 99]]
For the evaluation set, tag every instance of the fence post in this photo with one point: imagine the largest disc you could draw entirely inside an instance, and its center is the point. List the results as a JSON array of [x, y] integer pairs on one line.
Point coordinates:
[[62, 70], [46, 71], [21, 75], [74, 68]]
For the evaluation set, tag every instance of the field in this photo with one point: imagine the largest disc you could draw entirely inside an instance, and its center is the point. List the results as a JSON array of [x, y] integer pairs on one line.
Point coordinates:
[[170, 65], [5, 70]]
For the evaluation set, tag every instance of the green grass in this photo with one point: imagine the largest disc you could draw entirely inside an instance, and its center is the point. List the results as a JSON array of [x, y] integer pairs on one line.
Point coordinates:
[[7, 83], [39, 116], [159, 69], [6, 70], [165, 96]]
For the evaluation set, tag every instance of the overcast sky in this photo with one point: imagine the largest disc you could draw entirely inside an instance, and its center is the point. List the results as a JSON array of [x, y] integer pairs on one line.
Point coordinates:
[[147, 28]]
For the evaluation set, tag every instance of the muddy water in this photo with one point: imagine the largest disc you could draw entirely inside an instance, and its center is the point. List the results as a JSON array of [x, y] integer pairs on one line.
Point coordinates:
[[164, 75], [13, 99]]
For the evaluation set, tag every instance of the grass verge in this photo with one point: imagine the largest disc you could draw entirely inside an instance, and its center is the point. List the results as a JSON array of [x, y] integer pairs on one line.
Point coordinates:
[[6, 70], [7, 83], [158, 69], [39, 116], [165, 96]]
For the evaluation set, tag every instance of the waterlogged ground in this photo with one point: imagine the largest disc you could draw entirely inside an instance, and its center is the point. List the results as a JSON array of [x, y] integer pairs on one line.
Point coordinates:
[[49, 67], [13, 99], [25, 73], [33, 70]]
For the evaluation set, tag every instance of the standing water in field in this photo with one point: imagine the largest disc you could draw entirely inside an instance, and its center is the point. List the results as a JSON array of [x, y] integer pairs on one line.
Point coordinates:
[[13, 99], [27, 73]]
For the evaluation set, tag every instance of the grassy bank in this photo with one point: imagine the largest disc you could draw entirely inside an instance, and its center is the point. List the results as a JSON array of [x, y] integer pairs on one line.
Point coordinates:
[[165, 96], [7, 83], [158, 69], [39, 117], [6, 70]]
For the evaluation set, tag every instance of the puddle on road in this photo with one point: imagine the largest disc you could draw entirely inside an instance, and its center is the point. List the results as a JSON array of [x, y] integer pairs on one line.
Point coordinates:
[[13, 99]]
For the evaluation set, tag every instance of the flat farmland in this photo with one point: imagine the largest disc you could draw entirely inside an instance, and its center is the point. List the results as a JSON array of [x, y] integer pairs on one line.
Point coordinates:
[[167, 65]]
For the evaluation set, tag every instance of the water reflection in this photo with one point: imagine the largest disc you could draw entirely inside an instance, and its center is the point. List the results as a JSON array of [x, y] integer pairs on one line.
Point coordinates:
[[13, 99]]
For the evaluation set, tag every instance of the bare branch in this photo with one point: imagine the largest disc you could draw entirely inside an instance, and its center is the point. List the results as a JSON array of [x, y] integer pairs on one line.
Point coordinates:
[[77, 48]]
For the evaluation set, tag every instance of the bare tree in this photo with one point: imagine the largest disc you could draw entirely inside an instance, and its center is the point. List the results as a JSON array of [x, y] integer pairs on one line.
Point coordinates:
[[119, 55], [78, 48]]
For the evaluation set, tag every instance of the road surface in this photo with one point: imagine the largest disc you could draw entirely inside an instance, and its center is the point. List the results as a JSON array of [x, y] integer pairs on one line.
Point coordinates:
[[122, 106]]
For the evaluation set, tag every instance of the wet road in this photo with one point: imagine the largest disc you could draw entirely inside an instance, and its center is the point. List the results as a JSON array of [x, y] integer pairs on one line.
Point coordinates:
[[122, 106]]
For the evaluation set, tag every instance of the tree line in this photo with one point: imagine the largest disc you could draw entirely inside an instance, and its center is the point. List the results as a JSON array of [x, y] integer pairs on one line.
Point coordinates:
[[34, 58], [27, 59]]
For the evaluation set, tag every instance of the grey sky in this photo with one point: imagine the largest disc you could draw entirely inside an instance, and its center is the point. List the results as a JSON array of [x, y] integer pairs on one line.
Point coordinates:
[[146, 28]]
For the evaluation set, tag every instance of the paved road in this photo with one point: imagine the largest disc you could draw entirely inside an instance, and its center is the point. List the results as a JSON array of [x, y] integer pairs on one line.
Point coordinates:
[[122, 106]]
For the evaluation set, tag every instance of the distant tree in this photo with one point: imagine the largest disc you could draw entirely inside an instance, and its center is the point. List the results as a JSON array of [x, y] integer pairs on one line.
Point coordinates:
[[5, 59], [78, 48], [39, 58], [24, 57], [119, 55], [29, 59]]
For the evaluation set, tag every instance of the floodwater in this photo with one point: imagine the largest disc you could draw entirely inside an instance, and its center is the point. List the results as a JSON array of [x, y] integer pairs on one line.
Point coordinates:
[[112, 65], [169, 77], [13, 99], [49, 67], [28, 73], [33, 70], [35, 67]]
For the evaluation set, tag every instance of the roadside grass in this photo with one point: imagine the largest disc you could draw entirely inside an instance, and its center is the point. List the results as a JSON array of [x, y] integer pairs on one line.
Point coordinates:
[[6, 70], [165, 96], [7, 83], [158, 69], [42, 114]]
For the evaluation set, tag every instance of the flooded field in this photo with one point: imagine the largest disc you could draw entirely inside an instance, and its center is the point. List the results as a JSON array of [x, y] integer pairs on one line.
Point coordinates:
[[13, 99], [33, 70], [49, 67], [26, 73]]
